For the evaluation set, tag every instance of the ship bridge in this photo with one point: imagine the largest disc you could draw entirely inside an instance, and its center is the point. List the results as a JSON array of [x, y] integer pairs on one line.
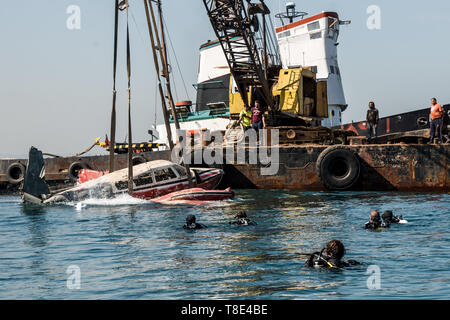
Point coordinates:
[[312, 42]]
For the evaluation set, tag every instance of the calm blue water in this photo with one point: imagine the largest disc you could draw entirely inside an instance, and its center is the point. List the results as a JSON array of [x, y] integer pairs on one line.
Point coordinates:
[[128, 249]]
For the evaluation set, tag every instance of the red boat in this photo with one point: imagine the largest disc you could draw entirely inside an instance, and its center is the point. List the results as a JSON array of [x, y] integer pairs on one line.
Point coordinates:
[[195, 196]]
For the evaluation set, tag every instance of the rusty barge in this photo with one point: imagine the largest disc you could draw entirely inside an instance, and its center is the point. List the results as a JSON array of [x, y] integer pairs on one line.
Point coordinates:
[[396, 167]]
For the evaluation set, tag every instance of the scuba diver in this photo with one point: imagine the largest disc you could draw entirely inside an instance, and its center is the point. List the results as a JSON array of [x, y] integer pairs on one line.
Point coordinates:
[[375, 222], [242, 220], [330, 257], [191, 224], [389, 218]]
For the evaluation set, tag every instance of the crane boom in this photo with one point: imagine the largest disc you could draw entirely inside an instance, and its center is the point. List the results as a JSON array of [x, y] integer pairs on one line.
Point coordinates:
[[233, 21]]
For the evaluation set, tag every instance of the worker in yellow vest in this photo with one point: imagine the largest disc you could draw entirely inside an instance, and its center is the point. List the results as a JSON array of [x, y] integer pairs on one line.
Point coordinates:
[[245, 117]]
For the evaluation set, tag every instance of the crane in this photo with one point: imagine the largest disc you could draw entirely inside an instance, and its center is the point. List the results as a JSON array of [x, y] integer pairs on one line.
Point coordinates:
[[235, 23], [296, 102]]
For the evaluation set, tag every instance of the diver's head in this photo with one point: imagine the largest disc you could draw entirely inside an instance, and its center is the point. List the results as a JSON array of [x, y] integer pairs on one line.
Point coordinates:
[[241, 215], [374, 216], [335, 249], [387, 216], [190, 219]]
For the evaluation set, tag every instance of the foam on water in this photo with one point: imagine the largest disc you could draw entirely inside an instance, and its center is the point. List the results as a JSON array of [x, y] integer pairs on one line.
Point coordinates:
[[121, 200]]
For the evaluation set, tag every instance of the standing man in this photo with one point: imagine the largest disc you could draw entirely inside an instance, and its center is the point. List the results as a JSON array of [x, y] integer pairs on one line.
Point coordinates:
[[258, 121], [372, 121], [436, 115], [245, 117]]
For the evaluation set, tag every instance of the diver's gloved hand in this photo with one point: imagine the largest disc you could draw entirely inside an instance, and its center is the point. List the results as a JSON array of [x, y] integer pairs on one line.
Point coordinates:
[[242, 220], [194, 226]]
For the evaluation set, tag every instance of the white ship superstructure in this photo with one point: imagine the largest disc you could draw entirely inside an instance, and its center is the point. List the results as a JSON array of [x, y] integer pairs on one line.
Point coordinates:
[[312, 42]]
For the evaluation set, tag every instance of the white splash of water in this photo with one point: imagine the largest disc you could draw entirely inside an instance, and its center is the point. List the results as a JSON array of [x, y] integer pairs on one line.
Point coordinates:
[[121, 200], [80, 206]]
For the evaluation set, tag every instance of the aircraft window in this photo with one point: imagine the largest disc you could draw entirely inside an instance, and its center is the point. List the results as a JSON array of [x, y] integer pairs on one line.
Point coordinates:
[[181, 171], [314, 26], [316, 35], [122, 185], [164, 174], [144, 179]]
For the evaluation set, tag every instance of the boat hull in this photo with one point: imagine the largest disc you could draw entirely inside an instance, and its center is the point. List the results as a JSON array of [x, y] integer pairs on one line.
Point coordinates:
[[196, 196]]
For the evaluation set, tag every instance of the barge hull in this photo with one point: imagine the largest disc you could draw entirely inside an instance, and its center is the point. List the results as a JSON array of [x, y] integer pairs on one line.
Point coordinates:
[[399, 167], [409, 168]]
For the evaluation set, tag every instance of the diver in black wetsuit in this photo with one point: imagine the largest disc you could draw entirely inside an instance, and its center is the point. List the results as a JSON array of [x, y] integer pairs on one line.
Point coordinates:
[[389, 218], [374, 222], [191, 224], [330, 257], [241, 220]]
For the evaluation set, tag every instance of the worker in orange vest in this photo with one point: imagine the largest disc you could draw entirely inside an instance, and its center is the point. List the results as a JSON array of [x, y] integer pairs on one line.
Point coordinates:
[[436, 115]]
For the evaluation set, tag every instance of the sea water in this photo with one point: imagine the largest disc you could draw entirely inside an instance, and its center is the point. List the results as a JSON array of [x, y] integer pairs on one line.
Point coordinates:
[[127, 248]]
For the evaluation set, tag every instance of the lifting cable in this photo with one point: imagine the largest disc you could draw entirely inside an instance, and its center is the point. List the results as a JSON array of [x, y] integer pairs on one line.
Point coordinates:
[[113, 110], [130, 139], [176, 59]]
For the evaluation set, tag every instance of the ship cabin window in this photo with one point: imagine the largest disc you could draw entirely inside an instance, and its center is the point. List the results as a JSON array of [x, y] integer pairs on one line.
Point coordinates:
[[332, 69], [332, 113], [316, 35], [181, 171], [313, 26], [164, 174], [144, 179], [284, 34], [314, 69], [122, 185]]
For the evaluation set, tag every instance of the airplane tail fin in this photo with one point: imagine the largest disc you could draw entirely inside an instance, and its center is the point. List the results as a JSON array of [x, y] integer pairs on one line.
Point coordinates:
[[34, 186]]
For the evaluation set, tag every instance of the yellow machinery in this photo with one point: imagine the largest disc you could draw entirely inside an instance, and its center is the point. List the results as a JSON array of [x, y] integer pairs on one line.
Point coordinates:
[[296, 93]]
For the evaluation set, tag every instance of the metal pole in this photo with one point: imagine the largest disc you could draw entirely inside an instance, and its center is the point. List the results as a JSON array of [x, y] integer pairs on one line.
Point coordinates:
[[113, 110], [130, 138], [155, 60], [166, 67], [163, 54]]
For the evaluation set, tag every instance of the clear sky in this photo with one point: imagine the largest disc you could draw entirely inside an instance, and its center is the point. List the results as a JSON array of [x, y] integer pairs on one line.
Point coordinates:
[[56, 83]]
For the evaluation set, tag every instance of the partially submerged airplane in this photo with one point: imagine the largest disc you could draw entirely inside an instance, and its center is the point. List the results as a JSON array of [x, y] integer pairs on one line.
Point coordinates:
[[151, 180]]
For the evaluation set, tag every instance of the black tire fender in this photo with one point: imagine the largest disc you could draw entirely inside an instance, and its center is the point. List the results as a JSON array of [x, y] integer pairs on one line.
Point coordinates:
[[75, 168], [15, 173], [338, 168]]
